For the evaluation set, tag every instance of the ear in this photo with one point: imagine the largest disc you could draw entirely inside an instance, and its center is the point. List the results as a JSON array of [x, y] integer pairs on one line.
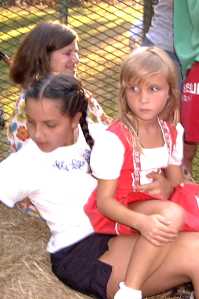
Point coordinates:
[[76, 119]]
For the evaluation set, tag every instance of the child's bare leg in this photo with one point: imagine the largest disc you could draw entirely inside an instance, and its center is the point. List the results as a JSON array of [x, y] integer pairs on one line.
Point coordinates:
[[180, 265], [141, 266]]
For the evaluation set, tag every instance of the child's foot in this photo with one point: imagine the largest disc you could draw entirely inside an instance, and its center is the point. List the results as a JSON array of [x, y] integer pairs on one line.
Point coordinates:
[[125, 292]]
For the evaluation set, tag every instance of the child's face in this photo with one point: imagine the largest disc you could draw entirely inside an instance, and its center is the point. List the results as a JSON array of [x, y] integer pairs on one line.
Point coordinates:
[[48, 127], [148, 99], [65, 60]]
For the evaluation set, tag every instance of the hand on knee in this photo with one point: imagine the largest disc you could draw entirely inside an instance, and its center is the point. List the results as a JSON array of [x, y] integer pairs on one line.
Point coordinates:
[[125, 292], [176, 215]]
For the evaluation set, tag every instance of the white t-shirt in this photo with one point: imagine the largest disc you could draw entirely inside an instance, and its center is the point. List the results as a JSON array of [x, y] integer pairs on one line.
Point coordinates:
[[58, 184], [108, 155]]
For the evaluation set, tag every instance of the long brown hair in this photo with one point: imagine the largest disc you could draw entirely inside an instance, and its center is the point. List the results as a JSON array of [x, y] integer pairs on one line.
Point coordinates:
[[32, 59]]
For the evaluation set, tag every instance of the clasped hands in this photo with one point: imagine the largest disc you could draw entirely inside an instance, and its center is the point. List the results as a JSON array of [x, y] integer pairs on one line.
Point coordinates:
[[160, 187]]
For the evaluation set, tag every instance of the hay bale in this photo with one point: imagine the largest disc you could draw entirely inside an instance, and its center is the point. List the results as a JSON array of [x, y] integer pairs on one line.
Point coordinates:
[[25, 267], [25, 270]]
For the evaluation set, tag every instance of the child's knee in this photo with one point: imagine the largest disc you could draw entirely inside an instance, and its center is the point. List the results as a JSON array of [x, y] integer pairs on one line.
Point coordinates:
[[175, 214]]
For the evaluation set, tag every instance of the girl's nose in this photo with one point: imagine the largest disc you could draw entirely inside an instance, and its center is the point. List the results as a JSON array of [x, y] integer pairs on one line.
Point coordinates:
[[38, 134], [76, 58], [144, 97]]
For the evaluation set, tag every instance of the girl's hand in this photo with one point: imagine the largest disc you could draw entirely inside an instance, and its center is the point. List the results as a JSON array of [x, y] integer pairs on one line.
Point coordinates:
[[160, 188], [157, 229]]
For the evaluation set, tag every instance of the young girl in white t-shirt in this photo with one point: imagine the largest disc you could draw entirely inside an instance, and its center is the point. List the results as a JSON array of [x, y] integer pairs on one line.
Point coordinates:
[[55, 175], [48, 48], [139, 161]]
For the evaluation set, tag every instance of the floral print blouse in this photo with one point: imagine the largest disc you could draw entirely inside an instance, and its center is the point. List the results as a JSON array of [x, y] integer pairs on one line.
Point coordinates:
[[17, 132]]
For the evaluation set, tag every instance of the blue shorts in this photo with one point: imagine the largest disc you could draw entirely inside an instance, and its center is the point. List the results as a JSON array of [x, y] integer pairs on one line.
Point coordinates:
[[79, 267]]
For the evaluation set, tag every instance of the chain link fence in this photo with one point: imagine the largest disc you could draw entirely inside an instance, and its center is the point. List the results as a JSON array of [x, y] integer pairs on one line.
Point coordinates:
[[104, 28]]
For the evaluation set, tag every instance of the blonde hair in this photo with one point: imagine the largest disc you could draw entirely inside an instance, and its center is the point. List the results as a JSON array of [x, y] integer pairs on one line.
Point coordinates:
[[139, 66]]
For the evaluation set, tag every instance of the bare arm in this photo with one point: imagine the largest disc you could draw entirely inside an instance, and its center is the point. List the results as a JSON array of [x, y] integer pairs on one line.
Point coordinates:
[[174, 174], [113, 209], [155, 228]]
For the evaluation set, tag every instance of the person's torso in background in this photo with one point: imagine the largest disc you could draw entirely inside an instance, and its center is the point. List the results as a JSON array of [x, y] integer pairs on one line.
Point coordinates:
[[161, 30]]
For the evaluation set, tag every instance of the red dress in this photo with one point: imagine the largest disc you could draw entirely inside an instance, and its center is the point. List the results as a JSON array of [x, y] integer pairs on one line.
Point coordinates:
[[185, 195]]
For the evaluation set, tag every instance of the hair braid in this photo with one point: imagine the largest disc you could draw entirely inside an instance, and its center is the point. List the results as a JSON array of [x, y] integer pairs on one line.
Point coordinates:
[[84, 126], [68, 90]]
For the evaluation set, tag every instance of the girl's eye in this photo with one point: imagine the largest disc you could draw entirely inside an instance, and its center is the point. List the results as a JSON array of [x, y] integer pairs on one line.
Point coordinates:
[[67, 53], [135, 88], [154, 88], [50, 125]]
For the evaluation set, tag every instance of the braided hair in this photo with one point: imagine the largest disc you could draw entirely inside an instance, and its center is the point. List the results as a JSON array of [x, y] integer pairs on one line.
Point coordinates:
[[67, 89]]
